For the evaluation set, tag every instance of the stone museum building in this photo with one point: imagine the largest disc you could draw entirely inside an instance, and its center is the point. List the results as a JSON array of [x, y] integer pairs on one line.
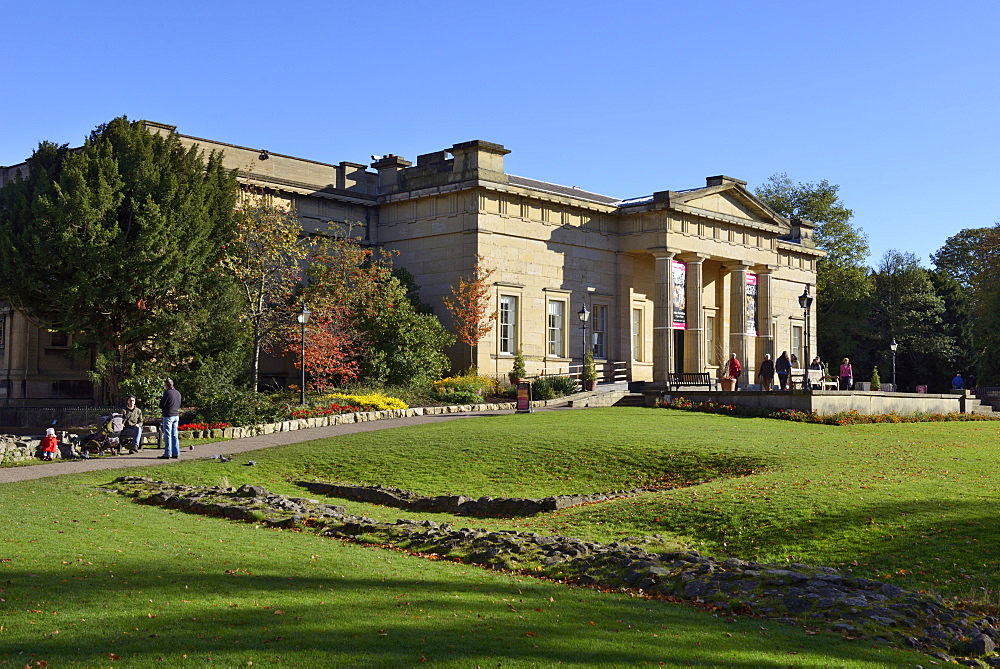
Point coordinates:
[[673, 281]]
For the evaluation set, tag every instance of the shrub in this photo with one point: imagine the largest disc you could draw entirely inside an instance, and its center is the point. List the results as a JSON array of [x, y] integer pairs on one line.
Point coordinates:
[[147, 391], [876, 381], [562, 385], [469, 388], [518, 371], [238, 406], [541, 388]]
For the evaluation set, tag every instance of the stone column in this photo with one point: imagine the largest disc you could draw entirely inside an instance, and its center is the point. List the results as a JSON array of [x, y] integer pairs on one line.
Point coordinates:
[[765, 311], [663, 315], [694, 338], [738, 338]]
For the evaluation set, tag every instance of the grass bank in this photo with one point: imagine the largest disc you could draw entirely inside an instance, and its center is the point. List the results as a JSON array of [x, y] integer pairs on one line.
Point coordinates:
[[86, 576]]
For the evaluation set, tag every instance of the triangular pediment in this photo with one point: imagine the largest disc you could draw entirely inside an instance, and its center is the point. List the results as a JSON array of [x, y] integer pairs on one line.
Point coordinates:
[[729, 201]]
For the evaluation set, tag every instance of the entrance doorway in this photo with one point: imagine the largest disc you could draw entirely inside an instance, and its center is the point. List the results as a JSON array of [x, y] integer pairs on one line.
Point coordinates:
[[678, 351]]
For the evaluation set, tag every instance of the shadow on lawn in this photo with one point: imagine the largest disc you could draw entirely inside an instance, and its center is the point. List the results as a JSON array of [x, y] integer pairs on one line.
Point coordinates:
[[384, 622], [949, 546]]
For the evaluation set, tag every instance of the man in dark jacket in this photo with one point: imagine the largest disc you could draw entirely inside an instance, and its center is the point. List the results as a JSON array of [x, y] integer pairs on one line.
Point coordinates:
[[170, 405], [765, 374]]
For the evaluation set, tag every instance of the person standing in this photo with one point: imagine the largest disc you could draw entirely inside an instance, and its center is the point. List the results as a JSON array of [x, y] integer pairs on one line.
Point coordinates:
[[783, 366], [49, 445], [732, 369], [957, 383], [816, 373], [846, 375], [132, 420], [170, 405], [765, 375]]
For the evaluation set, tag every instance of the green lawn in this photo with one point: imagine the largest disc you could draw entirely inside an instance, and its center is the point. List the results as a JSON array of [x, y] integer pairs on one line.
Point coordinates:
[[85, 574]]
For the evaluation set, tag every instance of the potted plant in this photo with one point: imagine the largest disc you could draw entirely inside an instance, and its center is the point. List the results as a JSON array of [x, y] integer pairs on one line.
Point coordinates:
[[589, 371], [517, 372]]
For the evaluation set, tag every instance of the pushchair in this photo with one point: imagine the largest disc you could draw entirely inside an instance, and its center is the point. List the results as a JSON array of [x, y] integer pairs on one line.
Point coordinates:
[[106, 439]]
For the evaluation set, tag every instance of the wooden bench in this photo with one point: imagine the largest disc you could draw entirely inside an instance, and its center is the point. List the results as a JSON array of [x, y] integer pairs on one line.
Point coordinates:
[[677, 380]]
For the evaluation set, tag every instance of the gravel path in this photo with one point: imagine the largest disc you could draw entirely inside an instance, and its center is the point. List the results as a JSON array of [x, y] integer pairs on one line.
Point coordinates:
[[148, 456]]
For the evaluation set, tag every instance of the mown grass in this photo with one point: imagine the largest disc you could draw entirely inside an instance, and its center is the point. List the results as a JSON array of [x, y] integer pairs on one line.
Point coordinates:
[[915, 498]]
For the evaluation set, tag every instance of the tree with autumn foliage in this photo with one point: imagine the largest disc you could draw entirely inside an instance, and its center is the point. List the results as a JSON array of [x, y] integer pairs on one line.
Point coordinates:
[[263, 259], [364, 325], [469, 306]]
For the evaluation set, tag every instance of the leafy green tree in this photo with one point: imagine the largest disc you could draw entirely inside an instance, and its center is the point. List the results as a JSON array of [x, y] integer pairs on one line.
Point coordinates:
[[115, 244], [904, 305], [960, 257], [264, 258], [985, 288], [842, 277]]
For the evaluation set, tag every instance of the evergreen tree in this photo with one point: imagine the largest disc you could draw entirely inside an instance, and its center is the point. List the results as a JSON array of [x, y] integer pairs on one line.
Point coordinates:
[[115, 243]]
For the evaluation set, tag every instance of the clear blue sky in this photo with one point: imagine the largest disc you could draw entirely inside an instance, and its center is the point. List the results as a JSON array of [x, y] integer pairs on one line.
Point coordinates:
[[895, 102]]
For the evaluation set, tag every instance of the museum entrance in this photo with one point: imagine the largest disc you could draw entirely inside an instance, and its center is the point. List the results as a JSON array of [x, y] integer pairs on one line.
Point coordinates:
[[678, 351]]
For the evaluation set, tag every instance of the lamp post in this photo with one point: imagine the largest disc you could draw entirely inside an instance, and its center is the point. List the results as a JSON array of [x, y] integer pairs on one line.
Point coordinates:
[[805, 301], [303, 318], [893, 346], [584, 315]]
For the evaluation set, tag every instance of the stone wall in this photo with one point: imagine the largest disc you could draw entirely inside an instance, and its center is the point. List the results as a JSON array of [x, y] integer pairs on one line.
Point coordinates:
[[827, 402]]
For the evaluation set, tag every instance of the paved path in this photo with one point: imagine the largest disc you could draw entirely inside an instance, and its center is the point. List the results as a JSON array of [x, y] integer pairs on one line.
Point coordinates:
[[148, 457]]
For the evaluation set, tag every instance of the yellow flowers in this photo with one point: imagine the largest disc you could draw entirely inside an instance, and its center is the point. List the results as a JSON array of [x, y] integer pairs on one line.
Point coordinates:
[[371, 401]]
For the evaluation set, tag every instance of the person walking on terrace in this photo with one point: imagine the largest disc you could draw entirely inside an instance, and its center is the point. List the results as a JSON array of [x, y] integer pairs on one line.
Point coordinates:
[[783, 366], [957, 383], [846, 375], [765, 375], [170, 405]]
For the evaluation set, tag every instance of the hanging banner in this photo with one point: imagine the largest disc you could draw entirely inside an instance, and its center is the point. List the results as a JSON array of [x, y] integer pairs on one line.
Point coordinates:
[[751, 328], [679, 298]]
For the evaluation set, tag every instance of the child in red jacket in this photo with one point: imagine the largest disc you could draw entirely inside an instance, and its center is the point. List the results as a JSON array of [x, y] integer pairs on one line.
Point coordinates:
[[49, 444]]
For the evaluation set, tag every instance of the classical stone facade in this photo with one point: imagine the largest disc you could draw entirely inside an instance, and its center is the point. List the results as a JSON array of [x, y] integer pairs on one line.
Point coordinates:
[[673, 281]]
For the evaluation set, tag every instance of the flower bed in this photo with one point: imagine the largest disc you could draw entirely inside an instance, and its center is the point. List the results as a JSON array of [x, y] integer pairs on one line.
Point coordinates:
[[851, 417], [369, 402], [202, 426], [332, 409]]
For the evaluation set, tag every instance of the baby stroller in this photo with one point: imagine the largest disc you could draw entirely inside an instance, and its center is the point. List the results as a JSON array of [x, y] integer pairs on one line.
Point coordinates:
[[106, 439]]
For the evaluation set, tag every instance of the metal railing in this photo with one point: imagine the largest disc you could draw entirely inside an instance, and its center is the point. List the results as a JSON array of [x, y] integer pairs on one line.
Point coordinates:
[[607, 372]]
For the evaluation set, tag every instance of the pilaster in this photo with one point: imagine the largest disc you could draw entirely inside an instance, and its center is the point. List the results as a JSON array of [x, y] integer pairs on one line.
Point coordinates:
[[739, 340], [663, 315]]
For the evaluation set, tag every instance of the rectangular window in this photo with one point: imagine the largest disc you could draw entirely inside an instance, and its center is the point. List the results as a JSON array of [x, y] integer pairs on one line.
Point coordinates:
[[72, 389], [710, 343], [600, 320], [508, 324], [797, 345], [637, 334], [58, 339], [557, 311]]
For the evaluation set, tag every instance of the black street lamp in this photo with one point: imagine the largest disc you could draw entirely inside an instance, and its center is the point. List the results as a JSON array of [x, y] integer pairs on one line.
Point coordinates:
[[893, 346], [303, 318], [584, 315], [805, 301]]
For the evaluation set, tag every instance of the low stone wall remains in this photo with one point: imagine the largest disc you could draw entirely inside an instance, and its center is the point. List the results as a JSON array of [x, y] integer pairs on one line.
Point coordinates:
[[827, 402], [462, 505], [817, 596]]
